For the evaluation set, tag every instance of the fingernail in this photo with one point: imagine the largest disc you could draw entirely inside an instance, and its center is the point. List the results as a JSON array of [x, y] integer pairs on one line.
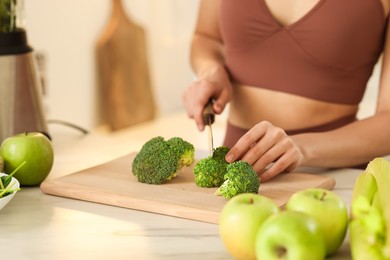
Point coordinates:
[[229, 158], [218, 108], [200, 127]]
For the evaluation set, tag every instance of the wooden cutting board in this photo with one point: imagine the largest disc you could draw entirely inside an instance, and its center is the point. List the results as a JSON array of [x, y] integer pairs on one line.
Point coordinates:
[[113, 183], [123, 76]]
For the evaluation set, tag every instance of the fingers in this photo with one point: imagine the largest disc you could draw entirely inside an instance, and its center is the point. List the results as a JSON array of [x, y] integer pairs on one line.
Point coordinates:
[[268, 149], [195, 98], [221, 101], [248, 142], [198, 94], [198, 117], [286, 163]]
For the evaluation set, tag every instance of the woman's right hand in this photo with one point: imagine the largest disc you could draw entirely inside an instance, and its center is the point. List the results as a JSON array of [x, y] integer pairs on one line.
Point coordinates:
[[215, 85]]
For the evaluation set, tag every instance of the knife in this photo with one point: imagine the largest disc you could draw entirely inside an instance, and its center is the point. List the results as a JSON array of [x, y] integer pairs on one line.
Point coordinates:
[[208, 119]]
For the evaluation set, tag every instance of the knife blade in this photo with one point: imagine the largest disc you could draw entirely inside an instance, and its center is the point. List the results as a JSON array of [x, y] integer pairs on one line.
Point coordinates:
[[208, 119]]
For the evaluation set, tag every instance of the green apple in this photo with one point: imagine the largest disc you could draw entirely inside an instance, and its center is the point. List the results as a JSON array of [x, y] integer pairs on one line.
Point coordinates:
[[34, 148], [328, 209], [290, 235], [240, 219]]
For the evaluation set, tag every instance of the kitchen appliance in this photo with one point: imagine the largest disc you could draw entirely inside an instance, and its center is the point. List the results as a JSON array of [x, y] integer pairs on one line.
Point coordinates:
[[20, 87]]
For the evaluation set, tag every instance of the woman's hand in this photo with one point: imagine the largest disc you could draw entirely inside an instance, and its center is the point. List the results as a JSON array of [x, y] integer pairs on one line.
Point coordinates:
[[213, 85], [268, 149]]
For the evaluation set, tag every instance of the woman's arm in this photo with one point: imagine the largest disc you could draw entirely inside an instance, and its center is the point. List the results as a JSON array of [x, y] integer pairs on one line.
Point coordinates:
[[206, 47], [207, 60]]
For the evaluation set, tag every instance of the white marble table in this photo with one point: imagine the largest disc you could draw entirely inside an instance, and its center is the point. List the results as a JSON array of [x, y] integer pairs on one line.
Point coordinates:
[[39, 226]]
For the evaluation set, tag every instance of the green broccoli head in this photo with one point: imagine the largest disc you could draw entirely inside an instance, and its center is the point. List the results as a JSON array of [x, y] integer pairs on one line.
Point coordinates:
[[159, 160], [220, 153], [239, 178], [184, 150], [209, 172]]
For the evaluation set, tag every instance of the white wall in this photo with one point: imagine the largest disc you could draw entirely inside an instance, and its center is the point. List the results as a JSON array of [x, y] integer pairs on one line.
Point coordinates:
[[368, 105], [66, 32]]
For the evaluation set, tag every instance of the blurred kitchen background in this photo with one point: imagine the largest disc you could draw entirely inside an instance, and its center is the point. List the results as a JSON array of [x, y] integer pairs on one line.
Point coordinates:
[[65, 34]]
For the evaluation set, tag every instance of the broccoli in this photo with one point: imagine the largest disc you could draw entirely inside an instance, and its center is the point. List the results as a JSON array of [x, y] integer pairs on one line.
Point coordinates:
[[159, 160], [210, 171], [239, 178], [220, 153]]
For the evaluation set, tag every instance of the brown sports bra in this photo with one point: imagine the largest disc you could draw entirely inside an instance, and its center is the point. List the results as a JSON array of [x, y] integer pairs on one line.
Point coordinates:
[[327, 55]]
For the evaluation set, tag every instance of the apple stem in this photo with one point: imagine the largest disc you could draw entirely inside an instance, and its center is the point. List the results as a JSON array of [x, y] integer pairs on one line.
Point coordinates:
[[323, 196], [281, 252]]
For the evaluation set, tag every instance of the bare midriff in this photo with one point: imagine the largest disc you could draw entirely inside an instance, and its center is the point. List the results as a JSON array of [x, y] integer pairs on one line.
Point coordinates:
[[251, 105]]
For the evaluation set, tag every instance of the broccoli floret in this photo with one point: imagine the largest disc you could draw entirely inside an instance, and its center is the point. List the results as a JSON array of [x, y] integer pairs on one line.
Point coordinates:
[[210, 171], [239, 178], [184, 150], [159, 160], [220, 153]]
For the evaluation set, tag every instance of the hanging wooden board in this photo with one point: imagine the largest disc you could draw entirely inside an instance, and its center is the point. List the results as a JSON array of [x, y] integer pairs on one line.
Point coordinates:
[[123, 74], [113, 183]]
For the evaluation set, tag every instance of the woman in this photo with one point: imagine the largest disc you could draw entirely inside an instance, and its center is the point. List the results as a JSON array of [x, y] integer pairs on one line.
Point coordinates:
[[294, 73]]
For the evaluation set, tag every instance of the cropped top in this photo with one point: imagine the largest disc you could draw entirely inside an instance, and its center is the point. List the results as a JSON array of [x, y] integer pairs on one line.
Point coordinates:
[[327, 55]]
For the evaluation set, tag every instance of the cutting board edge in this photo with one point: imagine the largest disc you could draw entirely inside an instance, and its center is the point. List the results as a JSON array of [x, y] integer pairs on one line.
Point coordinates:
[[329, 184], [72, 191]]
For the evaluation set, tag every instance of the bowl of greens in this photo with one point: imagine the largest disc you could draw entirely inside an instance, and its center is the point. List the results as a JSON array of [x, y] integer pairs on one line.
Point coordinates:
[[8, 188]]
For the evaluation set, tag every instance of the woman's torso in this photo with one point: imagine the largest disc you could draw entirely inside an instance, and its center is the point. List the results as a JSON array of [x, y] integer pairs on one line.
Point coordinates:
[[251, 105]]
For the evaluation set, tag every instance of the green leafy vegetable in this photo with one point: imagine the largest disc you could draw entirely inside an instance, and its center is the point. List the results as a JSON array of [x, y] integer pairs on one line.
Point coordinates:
[[6, 184]]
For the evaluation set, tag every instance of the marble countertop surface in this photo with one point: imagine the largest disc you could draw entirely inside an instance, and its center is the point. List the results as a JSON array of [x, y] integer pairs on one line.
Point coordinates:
[[39, 226]]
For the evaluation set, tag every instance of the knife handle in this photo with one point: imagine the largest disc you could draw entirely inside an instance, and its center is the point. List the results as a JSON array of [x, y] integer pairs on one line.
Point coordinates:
[[208, 113]]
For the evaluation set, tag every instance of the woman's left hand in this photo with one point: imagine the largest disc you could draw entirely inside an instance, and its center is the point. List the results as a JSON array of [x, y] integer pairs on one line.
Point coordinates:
[[268, 149]]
